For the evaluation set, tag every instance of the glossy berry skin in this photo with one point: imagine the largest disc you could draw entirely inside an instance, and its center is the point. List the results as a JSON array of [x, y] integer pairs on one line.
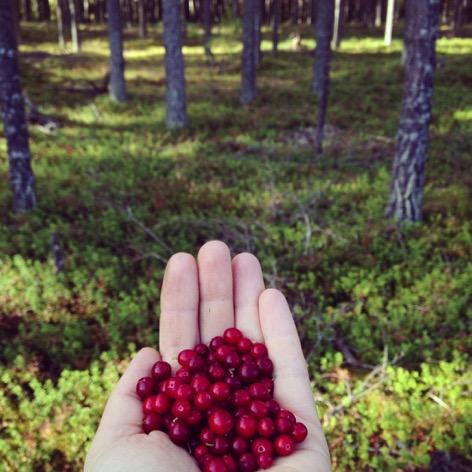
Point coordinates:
[[221, 446], [181, 409], [259, 391], [266, 427], [215, 465], [194, 418], [283, 425], [196, 364], [216, 342], [179, 432], [151, 422], [265, 461], [184, 375], [230, 463], [284, 445], [220, 422], [241, 398], [185, 356], [287, 414], [207, 436], [261, 446], [259, 350], [200, 452], [233, 382], [244, 345], [184, 392], [246, 426], [220, 391], [145, 387], [249, 372], [232, 335], [258, 408], [299, 432], [161, 403], [239, 445], [148, 404], [200, 383], [170, 386], [203, 401], [273, 406], [201, 349], [247, 462], [232, 360], [265, 366], [216, 372], [161, 370]]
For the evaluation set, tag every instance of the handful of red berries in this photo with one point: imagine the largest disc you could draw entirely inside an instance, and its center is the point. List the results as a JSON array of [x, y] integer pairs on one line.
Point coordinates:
[[219, 405]]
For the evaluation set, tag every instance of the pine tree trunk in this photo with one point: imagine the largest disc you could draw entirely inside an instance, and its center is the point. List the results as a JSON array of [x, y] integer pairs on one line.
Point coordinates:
[[295, 11], [257, 32], [275, 25], [206, 21], [176, 105], [338, 22], [28, 10], [389, 22], [117, 63], [321, 73], [458, 16], [74, 28], [406, 192], [248, 69], [14, 119], [142, 19]]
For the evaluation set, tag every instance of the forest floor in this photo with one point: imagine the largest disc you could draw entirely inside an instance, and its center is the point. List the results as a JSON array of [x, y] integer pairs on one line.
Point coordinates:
[[384, 312]]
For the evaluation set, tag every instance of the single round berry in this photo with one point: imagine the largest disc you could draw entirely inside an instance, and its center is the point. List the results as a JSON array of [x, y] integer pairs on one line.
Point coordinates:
[[258, 408], [241, 398], [148, 404], [268, 384], [249, 372], [246, 426], [265, 366], [203, 401], [283, 425], [232, 335], [220, 391], [289, 415], [261, 446], [200, 383], [184, 392], [216, 372], [201, 349], [161, 370], [181, 409], [184, 374], [220, 422], [207, 436], [273, 406], [259, 391], [185, 356], [233, 382], [247, 462], [222, 351], [145, 387], [266, 427], [194, 418], [265, 461], [259, 350], [299, 432], [179, 432], [215, 465], [230, 463], [196, 363], [232, 360], [200, 452], [216, 342], [151, 422], [161, 403], [284, 445], [170, 386], [244, 345], [239, 445]]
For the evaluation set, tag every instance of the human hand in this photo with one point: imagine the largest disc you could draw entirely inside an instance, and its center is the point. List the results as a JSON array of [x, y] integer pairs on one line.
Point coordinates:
[[199, 300]]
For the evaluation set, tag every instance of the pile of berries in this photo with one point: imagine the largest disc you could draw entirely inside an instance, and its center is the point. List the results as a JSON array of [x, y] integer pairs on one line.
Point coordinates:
[[219, 405]]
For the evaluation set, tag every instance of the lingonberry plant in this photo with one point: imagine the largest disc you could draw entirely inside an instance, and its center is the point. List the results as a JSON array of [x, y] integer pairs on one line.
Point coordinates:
[[219, 405]]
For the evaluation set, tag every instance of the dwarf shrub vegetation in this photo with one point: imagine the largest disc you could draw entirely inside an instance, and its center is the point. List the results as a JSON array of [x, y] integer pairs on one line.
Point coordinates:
[[122, 193]]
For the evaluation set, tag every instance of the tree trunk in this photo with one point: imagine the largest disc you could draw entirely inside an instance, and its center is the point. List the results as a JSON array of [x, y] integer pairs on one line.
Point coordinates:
[[44, 10], [14, 119], [275, 25], [389, 22], [60, 13], [257, 32], [176, 105], [406, 191], [74, 28], [206, 21], [338, 22], [295, 7], [378, 14], [142, 29], [321, 73], [248, 69], [458, 16], [117, 63], [28, 10]]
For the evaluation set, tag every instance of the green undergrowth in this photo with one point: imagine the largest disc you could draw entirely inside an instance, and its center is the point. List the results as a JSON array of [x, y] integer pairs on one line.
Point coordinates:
[[123, 194]]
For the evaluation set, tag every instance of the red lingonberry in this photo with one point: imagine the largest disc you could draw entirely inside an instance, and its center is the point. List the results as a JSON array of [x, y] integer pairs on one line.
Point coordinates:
[[259, 391], [200, 452], [185, 356], [299, 432], [232, 360], [181, 409], [179, 432], [184, 374], [265, 366], [247, 462], [145, 387], [268, 384], [265, 461], [222, 351], [151, 422], [220, 446], [233, 382], [184, 392], [207, 436], [232, 335], [246, 426], [216, 342], [161, 403], [283, 425], [194, 418], [203, 401], [284, 445], [170, 386], [220, 422], [196, 364], [215, 465], [287, 414], [241, 398], [220, 391], [201, 349], [200, 383], [230, 463], [216, 372], [249, 372], [239, 445], [147, 405], [266, 427], [261, 446], [273, 406], [161, 370], [244, 345], [259, 350], [258, 408]]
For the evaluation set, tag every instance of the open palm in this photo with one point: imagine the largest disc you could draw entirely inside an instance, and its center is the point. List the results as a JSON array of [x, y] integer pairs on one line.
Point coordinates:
[[199, 300]]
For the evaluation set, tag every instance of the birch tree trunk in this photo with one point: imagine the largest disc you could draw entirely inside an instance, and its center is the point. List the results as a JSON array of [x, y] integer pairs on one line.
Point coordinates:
[[74, 27], [176, 102], [321, 73], [275, 25], [406, 191], [117, 64], [389, 22], [248, 69], [14, 119], [142, 24]]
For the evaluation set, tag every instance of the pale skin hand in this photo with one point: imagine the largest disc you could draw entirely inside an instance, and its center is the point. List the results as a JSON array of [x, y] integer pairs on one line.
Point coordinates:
[[199, 300]]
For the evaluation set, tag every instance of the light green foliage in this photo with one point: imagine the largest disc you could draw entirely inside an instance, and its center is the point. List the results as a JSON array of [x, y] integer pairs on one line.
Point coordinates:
[[248, 176]]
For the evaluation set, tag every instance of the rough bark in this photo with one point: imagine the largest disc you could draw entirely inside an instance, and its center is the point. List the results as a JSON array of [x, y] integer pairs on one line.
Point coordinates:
[[389, 22], [406, 192], [275, 25], [321, 73], [206, 21], [248, 69], [14, 118], [117, 85], [74, 27], [142, 29], [176, 103]]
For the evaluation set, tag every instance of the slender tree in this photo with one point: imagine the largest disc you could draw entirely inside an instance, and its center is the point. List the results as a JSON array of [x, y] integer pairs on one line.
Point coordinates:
[[206, 21], [176, 103], [258, 10], [378, 13], [248, 69], [389, 22], [117, 64], [142, 29], [321, 73], [275, 25], [14, 119], [74, 27], [338, 22], [60, 16], [406, 192]]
